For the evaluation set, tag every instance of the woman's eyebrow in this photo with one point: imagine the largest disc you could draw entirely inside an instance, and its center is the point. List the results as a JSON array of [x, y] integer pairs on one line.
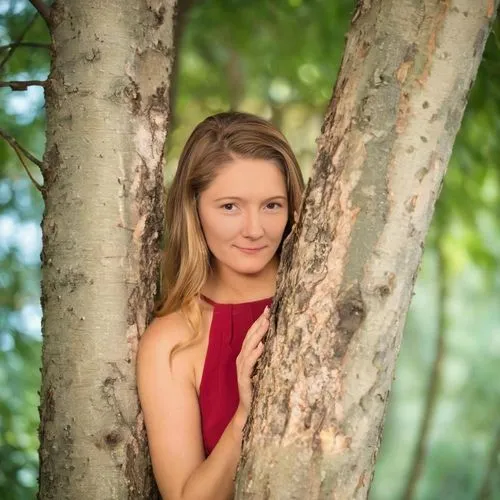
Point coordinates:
[[278, 197], [237, 198], [229, 198]]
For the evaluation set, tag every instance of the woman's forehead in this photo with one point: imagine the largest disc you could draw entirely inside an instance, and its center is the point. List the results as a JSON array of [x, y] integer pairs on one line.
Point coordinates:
[[246, 176]]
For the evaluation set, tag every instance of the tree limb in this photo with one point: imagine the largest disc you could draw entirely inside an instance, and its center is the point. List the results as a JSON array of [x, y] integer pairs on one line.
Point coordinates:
[[13, 46], [181, 14], [43, 9], [431, 399], [36, 45], [20, 151], [26, 153], [485, 490], [23, 85]]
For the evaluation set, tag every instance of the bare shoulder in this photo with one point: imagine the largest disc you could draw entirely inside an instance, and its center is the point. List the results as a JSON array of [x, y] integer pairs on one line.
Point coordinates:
[[167, 330], [161, 336]]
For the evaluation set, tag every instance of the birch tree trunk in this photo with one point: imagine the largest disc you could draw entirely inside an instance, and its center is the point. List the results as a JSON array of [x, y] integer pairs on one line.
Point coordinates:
[[107, 112], [348, 270]]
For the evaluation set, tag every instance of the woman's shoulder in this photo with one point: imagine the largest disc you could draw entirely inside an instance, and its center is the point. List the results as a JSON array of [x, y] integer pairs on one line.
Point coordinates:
[[164, 332], [154, 356]]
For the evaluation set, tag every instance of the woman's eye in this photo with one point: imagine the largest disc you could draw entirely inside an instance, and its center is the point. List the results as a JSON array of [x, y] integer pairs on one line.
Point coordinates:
[[228, 207], [273, 205]]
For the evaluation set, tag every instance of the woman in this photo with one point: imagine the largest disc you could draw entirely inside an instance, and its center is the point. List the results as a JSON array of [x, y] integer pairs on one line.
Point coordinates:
[[229, 208]]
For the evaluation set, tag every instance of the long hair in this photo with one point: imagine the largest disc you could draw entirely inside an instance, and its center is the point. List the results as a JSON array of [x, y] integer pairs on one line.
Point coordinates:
[[216, 141]]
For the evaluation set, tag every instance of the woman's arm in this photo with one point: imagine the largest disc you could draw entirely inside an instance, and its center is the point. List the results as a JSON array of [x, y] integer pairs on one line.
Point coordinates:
[[213, 478], [172, 416]]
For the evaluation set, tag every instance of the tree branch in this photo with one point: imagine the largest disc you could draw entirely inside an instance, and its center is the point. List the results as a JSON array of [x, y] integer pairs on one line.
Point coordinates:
[[434, 379], [25, 152], [43, 9], [16, 43], [485, 490], [19, 152], [23, 85], [181, 14], [36, 45]]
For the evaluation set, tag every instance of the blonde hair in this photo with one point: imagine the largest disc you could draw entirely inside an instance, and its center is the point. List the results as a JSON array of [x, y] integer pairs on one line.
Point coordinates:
[[214, 142]]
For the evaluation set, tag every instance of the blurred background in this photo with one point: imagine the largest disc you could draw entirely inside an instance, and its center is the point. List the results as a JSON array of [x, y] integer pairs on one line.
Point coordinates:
[[280, 59]]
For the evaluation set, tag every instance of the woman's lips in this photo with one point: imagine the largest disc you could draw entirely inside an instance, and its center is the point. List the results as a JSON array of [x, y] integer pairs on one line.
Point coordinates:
[[251, 250]]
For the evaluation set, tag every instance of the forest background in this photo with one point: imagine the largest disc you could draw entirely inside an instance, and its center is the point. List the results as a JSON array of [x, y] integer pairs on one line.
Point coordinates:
[[279, 60]]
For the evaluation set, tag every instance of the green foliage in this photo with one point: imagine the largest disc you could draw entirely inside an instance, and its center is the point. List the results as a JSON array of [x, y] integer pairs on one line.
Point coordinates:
[[21, 206], [279, 59]]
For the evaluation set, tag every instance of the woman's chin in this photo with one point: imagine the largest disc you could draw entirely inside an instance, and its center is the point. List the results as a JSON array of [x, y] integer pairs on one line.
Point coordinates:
[[249, 268], [249, 265]]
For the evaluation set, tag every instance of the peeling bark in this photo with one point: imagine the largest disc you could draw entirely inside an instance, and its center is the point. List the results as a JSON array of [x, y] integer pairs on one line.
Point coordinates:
[[107, 116], [348, 269]]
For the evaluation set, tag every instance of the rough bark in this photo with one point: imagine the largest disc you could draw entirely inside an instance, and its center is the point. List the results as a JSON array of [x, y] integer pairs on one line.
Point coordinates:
[[107, 113], [348, 270]]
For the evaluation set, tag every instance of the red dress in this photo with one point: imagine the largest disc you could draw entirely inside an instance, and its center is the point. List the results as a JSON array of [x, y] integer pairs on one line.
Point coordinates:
[[219, 395]]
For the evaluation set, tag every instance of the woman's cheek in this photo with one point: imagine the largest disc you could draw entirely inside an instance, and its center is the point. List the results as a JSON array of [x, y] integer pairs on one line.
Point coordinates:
[[280, 226], [227, 227]]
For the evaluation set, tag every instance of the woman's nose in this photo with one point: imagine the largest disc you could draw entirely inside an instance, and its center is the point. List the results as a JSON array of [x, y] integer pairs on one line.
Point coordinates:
[[252, 227]]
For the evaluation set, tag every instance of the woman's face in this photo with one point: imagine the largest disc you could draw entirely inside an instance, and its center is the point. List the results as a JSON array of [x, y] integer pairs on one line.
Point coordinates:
[[243, 214]]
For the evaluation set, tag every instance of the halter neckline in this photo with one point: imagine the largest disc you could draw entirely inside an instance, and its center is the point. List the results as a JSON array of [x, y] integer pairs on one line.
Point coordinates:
[[235, 304]]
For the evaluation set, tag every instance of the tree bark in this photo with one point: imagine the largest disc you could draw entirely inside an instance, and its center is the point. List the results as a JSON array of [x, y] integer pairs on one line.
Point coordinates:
[[348, 269], [107, 114]]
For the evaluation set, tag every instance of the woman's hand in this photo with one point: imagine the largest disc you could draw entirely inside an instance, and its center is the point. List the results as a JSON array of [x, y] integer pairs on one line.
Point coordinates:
[[250, 352]]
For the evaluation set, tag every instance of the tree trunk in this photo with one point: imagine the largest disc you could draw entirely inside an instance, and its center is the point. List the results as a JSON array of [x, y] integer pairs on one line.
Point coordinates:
[[348, 269], [486, 492], [107, 113]]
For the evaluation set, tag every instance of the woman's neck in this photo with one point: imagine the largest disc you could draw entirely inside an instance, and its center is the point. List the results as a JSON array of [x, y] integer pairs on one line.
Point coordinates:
[[227, 286]]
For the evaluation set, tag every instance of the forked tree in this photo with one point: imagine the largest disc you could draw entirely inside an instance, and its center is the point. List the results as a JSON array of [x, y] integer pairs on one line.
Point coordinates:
[[347, 270]]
